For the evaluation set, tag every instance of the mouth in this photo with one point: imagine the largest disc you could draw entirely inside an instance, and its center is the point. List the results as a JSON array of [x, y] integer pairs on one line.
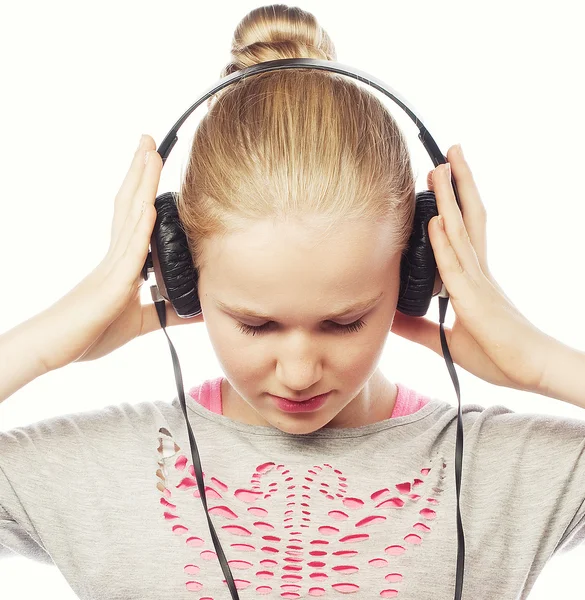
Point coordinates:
[[308, 405], [297, 400]]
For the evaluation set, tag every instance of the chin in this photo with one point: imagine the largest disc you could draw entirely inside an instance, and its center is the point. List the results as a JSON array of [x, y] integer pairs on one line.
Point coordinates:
[[298, 426]]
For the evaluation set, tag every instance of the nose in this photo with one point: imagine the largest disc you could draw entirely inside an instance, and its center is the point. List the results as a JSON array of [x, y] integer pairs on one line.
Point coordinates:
[[299, 366]]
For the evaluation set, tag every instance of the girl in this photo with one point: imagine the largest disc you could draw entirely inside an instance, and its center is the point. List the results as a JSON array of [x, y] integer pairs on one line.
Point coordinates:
[[322, 476]]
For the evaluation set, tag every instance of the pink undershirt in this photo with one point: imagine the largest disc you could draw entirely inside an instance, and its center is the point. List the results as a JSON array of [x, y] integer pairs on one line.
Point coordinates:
[[208, 394]]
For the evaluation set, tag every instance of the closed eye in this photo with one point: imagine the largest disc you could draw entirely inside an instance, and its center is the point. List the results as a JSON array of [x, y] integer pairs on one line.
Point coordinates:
[[349, 328]]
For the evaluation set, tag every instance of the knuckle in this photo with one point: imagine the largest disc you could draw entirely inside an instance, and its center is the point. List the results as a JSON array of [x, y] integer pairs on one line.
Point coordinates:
[[154, 156], [462, 231]]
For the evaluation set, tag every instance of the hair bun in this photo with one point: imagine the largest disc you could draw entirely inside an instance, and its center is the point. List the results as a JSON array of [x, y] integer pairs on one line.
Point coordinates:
[[275, 32]]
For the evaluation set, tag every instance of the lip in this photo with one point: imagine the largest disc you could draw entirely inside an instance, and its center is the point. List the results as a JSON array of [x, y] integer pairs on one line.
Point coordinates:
[[311, 404], [296, 399]]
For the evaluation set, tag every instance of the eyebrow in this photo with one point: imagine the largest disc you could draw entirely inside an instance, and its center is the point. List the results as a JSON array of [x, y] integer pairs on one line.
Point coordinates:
[[354, 308]]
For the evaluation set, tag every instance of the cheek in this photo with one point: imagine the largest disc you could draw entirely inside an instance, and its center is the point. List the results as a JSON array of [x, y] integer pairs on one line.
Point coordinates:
[[239, 355], [359, 355]]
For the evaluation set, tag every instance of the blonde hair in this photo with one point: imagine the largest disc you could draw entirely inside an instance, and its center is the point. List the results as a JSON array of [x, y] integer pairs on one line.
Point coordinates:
[[295, 143]]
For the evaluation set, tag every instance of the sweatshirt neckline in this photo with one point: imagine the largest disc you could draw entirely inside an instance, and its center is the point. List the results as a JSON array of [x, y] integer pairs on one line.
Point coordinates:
[[325, 432]]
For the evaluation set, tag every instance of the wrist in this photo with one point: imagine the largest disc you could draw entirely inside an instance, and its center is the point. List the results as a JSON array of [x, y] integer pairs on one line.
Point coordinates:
[[19, 362]]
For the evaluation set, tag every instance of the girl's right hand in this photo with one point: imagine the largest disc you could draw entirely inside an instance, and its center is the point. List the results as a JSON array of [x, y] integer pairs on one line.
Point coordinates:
[[103, 312]]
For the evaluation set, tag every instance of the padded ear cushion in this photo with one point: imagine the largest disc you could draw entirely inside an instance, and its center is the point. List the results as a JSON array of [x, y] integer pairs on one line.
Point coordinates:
[[418, 266], [175, 273]]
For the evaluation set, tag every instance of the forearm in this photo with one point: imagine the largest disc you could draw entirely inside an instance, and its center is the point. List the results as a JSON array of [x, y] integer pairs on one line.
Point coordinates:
[[564, 377], [19, 362]]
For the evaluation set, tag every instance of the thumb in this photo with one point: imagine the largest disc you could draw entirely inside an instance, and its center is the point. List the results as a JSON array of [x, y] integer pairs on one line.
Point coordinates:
[[420, 330], [151, 322]]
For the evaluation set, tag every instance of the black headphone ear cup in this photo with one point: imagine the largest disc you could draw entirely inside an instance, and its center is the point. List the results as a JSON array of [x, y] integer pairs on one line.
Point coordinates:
[[176, 275], [418, 267]]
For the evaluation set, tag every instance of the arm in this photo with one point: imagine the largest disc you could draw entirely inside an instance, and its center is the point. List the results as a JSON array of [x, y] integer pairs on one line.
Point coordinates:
[[19, 362], [564, 374]]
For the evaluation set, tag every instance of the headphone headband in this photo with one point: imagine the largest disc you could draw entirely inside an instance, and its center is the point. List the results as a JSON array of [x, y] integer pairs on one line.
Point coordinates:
[[303, 63]]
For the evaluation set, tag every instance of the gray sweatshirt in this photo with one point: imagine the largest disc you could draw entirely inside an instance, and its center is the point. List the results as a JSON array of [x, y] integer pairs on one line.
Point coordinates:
[[109, 496]]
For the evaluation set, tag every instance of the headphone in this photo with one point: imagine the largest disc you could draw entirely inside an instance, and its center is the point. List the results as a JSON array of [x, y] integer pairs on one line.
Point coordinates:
[[176, 277]]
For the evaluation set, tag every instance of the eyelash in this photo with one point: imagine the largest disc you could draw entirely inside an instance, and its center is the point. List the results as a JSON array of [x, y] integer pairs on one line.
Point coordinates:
[[349, 328]]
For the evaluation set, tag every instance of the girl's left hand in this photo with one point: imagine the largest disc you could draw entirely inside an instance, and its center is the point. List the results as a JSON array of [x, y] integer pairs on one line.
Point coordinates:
[[490, 337]]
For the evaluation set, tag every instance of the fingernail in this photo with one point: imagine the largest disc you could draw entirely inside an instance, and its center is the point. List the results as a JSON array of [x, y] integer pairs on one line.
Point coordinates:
[[447, 169], [146, 157], [441, 224], [140, 142], [459, 150]]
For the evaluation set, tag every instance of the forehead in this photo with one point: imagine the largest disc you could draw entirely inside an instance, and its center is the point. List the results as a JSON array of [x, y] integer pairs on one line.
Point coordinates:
[[296, 261]]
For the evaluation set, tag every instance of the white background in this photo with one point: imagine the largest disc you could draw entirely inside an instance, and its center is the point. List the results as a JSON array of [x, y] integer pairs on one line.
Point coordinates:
[[81, 83]]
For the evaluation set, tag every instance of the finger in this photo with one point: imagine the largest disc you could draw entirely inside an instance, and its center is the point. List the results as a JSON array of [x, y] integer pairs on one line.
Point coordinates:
[[456, 243], [129, 260], [430, 181], [123, 198], [144, 197], [461, 281], [474, 212], [457, 276], [419, 330], [151, 322]]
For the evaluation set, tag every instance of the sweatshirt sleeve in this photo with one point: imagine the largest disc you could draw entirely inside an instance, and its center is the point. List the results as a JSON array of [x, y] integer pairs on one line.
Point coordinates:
[[17, 534], [40, 466], [63, 479], [526, 475]]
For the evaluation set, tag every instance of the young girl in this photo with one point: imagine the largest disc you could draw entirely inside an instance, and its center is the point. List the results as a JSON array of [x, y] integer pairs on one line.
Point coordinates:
[[297, 237]]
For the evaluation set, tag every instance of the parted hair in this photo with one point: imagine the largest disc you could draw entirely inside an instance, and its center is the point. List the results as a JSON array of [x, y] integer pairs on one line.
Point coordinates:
[[300, 144]]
